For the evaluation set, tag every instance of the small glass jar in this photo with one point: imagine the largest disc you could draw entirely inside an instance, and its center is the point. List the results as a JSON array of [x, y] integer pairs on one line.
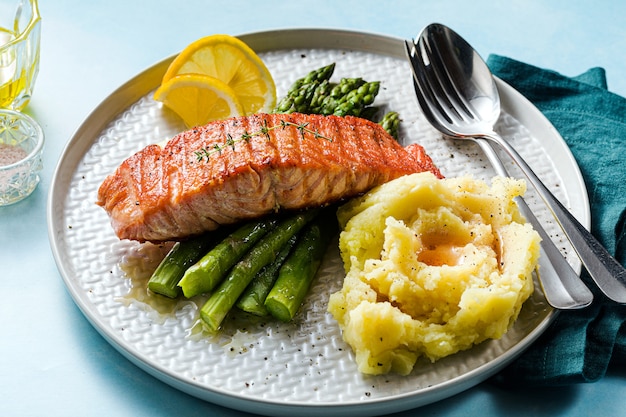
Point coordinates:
[[21, 148]]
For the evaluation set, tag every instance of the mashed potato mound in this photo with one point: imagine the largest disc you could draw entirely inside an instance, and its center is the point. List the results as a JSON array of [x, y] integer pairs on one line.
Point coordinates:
[[433, 267]]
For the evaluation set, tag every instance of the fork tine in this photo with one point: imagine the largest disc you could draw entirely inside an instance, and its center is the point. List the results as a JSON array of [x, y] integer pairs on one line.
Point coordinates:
[[444, 77], [419, 72], [435, 83], [428, 100], [424, 93]]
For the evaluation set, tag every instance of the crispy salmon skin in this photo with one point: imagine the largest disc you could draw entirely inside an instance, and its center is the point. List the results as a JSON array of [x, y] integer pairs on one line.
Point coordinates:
[[246, 167]]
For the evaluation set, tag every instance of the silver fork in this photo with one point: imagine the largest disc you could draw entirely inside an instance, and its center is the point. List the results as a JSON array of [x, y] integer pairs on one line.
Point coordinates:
[[562, 286]]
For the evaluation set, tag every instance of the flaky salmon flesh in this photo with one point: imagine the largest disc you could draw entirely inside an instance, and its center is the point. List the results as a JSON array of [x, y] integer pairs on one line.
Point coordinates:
[[247, 167]]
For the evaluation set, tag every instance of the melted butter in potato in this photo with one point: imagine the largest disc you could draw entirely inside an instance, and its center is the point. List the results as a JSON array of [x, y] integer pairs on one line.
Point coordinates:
[[433, 267]]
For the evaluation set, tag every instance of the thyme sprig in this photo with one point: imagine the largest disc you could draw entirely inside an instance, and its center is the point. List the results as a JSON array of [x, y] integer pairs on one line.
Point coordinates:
[[230, 142]]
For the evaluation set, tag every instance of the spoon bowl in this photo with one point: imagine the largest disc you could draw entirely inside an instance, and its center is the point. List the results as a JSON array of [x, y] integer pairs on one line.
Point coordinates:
[[467, 72]]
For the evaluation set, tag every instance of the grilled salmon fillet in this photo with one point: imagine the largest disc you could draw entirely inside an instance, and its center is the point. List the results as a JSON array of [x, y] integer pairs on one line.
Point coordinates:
[[246, 167]]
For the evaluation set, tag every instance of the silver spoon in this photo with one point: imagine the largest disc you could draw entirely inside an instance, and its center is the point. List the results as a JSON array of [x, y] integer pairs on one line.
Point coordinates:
[[462, 102]]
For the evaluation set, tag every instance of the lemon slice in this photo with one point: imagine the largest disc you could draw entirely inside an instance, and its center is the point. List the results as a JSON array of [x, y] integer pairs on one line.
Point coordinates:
[[199, 99], [233, 62]]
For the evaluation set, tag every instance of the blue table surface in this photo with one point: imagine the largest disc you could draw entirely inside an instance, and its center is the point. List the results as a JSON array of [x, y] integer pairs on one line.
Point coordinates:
[[53, 362]]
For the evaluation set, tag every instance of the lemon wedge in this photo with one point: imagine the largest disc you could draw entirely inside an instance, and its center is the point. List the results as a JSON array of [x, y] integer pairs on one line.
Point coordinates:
[[199, 99], [234, 63]]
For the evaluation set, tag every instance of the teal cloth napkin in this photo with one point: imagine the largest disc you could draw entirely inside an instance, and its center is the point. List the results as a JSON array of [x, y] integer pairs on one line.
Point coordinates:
[[581, 345]]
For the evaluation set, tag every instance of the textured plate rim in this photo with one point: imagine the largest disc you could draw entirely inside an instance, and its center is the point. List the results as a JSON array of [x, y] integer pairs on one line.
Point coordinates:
[[513, 102]]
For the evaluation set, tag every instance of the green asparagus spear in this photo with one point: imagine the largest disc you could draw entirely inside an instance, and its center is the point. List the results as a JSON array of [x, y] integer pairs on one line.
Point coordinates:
[[319, 75], [297, 273], [301, 92], [345, 86], [390, 122], [291, 102], [263, 253], [253, 298], [356, 100], [206, 273], [165, 278], [321, 93], [302, 102], [285, 105], [339, 91]]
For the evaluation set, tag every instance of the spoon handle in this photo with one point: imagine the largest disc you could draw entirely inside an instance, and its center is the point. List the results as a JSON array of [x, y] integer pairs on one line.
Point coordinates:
[[608, 274], [561, 285]]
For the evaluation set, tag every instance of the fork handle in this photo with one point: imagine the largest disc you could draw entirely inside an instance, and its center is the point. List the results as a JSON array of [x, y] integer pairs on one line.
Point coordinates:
[[608, 274], [561, 285]]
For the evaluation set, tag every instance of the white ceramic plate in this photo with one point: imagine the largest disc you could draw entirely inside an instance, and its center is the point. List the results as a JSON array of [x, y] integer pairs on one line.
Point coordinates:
[[304, 367]]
